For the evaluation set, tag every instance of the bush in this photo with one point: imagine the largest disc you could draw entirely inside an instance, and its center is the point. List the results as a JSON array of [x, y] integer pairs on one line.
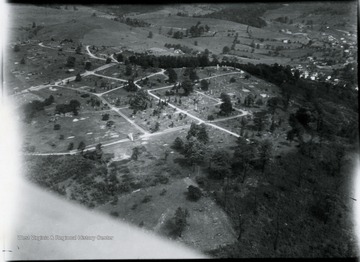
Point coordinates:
[[232, 80], [178, 144], [105, 117], [57, 127], [177, 224], [146, 199], [194, 193], [211, 117]]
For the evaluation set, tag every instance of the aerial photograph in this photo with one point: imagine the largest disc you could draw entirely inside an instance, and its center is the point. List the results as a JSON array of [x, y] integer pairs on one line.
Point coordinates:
[[229, 129]]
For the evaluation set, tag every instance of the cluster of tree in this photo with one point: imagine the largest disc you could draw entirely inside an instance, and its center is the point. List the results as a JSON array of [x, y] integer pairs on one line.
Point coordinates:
[[73, 106], [178, 35], [31, 108], [178, 223], [139, 100], [194, 149], [132, 22], [190, 72], [131, 87], [198, 30], [226, 105], [279, 75], [172, 75], [146, 61]]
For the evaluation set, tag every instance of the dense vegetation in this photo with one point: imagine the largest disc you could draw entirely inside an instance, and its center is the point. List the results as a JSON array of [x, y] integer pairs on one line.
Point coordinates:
[[31, 108], [244, 14]]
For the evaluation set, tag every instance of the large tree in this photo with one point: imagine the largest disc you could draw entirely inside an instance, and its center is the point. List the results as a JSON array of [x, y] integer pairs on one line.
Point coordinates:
[[199, 132], [172, 75], [178, 223], [187, 86], [219, 165], [194, 151], [265, 153], [244, 154], [226, 106], [139, 100]]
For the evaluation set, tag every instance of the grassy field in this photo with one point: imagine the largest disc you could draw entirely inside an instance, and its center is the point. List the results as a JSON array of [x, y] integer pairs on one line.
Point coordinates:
[[42, 66], [87, 127]]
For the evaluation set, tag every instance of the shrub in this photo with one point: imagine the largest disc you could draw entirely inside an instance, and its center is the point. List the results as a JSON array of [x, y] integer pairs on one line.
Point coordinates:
[[194, 193], [177, 224], [146, 199]]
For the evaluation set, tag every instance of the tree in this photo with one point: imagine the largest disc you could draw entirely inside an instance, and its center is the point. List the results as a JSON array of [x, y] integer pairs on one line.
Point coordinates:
[[265, 153], [108, 60], [139, 100], [78, 77], [172, 75], [273, 103], [194, 193], [22, 61], [81, 146], [226, 50], [128, 70], [170, 31], [219, 167], [150, 34], [135, 153], [244, 154], [105, 117], [70, 62], [259, 121], [187, 86], [131, 87], [70, 146], [303, 116], [98, 151], [178, 144], [87, 65], [156, 127], [226, 106], [202, 134], [204, 85], [57, 127], [78, 50], [193, 75], [194, 151], [120, 57], [178, 223]]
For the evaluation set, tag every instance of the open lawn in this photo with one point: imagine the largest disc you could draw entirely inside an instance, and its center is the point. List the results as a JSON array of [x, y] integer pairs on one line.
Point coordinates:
[[208, 225], [87, 127]]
